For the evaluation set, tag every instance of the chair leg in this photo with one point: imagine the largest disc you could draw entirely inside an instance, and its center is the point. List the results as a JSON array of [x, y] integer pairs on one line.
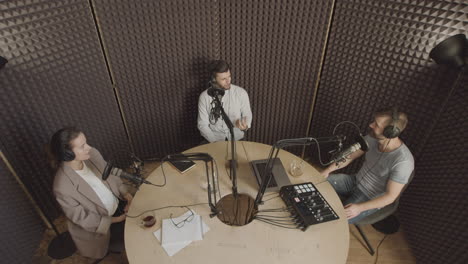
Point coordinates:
[[369, 247]]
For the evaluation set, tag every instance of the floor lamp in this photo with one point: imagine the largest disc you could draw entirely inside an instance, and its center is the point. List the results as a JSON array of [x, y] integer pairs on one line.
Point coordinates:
[[453, 52]]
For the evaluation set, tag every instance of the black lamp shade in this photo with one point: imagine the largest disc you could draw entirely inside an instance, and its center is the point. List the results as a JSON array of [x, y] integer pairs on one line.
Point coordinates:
[[3, 61], [451, 51]]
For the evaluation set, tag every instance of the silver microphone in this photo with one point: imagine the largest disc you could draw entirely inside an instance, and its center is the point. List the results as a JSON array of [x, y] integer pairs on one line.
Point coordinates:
[[131, 177], [361, 144]]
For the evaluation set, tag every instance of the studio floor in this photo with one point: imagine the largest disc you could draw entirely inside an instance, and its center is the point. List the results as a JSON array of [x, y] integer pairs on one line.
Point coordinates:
[[393, 250]]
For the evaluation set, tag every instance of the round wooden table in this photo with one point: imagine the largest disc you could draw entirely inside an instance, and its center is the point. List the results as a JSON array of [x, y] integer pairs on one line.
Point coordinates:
[[256, 242]]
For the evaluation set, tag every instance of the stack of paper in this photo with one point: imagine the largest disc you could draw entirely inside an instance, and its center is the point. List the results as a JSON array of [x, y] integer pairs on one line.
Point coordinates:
[[176, 238]]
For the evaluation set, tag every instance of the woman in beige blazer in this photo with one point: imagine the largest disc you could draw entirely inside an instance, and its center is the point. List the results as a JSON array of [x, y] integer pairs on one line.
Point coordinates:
[[89, 203]]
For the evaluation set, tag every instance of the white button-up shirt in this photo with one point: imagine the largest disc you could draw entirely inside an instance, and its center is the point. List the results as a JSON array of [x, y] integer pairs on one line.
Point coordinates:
[[236, 105]]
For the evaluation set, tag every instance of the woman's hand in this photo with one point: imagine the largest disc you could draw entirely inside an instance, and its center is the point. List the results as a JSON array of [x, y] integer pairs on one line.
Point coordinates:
[[118, 219], [129, 199]]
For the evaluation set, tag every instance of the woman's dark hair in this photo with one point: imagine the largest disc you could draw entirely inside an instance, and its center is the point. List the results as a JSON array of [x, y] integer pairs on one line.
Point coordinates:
[[219, 66], [60, 144]]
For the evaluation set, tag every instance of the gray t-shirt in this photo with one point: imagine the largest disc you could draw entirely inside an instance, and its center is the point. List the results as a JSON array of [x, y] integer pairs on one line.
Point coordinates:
[[379, 167]]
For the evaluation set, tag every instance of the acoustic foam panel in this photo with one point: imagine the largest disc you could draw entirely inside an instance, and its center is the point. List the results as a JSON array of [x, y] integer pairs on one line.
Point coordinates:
[[159, 54], [21, 225], [378, 56], [275, 50], [56, 77], [433, 208]]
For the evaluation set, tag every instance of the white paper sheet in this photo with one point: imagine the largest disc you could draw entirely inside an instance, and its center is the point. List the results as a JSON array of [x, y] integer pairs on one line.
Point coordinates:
[[172, 246], [187, 232]]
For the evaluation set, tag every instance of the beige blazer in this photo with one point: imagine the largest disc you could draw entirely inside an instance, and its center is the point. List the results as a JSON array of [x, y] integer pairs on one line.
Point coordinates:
[[88, 219]]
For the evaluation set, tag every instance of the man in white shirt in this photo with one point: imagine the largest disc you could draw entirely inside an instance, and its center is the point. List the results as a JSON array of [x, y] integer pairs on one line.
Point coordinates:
[[235, 103]]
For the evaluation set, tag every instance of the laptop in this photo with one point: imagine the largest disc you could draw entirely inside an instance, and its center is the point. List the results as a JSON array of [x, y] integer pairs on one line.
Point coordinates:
[[280, 177]]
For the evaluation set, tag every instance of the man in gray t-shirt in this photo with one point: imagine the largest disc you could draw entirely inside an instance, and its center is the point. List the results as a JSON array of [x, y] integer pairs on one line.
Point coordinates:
[[387, 168]]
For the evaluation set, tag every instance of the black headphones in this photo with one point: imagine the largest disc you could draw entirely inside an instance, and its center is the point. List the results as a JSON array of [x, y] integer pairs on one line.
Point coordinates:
[[392, 130], [66, 154], [60, 144], [213, 83]]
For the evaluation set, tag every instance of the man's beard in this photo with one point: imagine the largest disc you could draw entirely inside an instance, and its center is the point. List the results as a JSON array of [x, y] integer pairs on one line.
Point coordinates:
[[378, 137]]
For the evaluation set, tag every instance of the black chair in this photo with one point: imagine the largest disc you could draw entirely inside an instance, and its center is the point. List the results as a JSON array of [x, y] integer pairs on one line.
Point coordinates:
[[380, 215]]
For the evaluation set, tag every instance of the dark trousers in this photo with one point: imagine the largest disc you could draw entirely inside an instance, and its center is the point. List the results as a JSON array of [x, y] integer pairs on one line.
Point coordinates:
[[116, 243]]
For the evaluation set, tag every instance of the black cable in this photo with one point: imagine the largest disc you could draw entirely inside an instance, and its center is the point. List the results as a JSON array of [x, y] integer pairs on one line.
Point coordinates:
[[279, 217], [278, 221], [276, 224], [274, 216], [160, 208], [273, 211], [318, 151], [164, 176], [377, 249], [271, 193], [159, 185], [349, 122], [282, 223], [264, 201]]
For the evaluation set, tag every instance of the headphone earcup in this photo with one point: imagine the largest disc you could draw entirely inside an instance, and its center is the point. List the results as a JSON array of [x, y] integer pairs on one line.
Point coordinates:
[[391, 131], [68, 155]]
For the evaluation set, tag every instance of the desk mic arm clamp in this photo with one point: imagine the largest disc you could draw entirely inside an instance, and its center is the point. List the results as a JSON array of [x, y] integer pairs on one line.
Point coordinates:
[[267, 175], [206, 158]]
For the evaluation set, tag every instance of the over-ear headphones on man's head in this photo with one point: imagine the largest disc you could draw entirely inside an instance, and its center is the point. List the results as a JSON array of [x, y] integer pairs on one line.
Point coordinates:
[[392, 130]]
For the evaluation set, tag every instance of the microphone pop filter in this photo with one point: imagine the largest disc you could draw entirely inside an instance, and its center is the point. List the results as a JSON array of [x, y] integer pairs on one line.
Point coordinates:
[[215, 92], [107, 171]]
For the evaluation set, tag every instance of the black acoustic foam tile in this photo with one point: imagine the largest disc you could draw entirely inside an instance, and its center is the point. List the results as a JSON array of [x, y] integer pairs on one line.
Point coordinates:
[[56, 77], [378, 55], [22, 227], [159, 52], [275, 51]]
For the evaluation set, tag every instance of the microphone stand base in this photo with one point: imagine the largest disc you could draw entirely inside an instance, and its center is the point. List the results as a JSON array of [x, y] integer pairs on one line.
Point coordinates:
[[236, 210]]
